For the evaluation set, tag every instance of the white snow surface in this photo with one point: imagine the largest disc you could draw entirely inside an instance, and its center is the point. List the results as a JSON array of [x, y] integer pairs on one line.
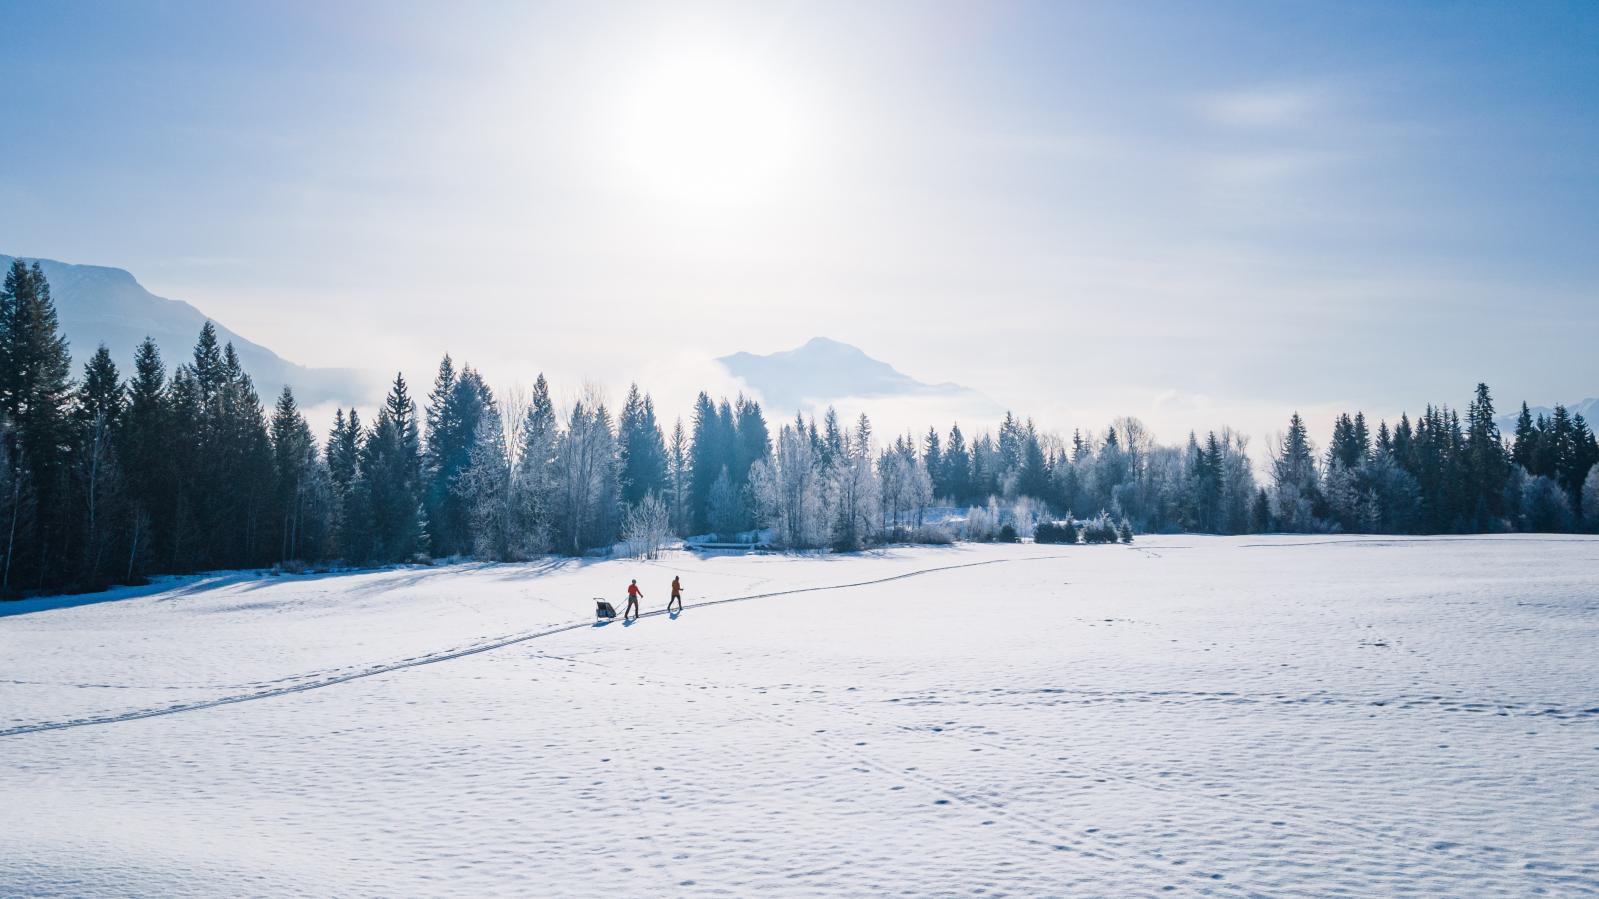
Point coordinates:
[[1255, 716]]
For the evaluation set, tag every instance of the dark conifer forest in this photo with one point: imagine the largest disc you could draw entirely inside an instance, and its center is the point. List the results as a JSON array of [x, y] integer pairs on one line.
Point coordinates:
[[179, 465]]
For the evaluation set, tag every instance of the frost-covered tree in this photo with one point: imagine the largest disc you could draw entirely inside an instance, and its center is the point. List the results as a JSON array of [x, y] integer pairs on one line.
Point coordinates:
[[533, 498], [905, 488], [1590, 500], [678, 477], [587, 492], [789, 491], [646, 527], [485, 486], [852, 489]]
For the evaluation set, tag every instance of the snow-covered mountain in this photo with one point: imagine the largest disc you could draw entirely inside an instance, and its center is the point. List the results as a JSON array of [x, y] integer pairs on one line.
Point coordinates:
[[99, 305], [825, 371], [1588, 409]]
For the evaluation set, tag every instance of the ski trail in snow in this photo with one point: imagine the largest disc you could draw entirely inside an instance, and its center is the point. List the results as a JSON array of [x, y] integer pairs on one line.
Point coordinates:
[[436, 658]]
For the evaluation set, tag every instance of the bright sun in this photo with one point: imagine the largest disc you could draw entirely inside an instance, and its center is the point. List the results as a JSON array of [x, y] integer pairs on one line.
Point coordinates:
[[705, 128]]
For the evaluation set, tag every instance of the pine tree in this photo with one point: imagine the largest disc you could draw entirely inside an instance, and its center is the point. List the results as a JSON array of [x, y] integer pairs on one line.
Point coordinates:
[[96, 418], [679, 473], [534, 484], [642, 448], [832, 437], [1033, 475], [706, 455], [957, 467], [1579, 461], [294, 456], [1487, 466], [390, 494], [1526, 440], [455, 406], [35, 389], [933, 460], [754, 440], [145, 445]]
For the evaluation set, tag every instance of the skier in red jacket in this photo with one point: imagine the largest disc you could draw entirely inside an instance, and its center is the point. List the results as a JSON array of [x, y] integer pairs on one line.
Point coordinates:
[[634, 594]]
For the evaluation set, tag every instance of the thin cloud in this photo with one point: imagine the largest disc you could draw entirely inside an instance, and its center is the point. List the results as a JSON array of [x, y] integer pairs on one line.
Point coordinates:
[[1260, 108]]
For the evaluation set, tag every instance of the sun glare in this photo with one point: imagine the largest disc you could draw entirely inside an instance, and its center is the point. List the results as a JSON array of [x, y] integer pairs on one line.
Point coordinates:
[[707, 128]]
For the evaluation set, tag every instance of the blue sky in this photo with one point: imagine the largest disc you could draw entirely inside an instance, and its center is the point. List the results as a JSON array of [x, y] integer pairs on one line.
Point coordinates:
[[1194, 213]]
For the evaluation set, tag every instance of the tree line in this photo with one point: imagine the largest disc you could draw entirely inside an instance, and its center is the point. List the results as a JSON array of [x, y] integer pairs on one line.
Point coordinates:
[[106, 479]]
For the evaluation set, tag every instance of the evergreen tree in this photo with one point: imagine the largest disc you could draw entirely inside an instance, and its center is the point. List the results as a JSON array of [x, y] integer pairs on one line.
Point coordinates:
[[642, 449], [534, 484], [957, 467], [1486, 463], [35, 388], [144, 443], [706, 461], [1578, 462], [1526, 440], [301, 524], [754, 440], [455, 407], [832, 437], [679, 473], [1033, 475], [933, 460], [390, 488], [96, 416]]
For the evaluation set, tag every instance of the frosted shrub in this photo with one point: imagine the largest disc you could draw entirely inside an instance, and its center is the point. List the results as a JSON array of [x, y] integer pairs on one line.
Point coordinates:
[[1056, 532], [1100, 529], [982, 523], [1025, 514], [928, 534], [1544, 507], [1590, 500]]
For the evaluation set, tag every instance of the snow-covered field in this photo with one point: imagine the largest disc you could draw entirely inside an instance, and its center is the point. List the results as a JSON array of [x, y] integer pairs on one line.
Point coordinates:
[[1232, 717]]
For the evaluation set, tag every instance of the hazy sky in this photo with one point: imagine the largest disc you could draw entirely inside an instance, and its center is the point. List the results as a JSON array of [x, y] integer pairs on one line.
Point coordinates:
[[1197, 213]]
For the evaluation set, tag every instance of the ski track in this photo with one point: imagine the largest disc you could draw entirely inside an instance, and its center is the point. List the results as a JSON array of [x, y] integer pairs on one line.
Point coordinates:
[[1062, 802], [451, 655]]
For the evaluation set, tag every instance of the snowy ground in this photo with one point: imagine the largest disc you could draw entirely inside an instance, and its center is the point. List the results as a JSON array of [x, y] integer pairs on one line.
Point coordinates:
[[1229, 717]]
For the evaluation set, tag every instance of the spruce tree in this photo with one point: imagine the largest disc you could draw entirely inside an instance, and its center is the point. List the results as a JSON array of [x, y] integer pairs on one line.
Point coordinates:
[[96, 416], [145, 445], [293, 457], [393, 520], [35, 389], [933, 460], [1526, 439], [957, 467], [706, 456], [1487, 467], [642, 449], [533, 493]]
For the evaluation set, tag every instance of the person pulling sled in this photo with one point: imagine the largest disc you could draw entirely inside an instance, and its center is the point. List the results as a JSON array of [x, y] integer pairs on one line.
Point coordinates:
[[677, 595], [634, 594]]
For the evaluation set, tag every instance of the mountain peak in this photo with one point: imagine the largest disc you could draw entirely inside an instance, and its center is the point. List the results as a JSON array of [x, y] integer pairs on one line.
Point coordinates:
[[823, 371], [98, 304]]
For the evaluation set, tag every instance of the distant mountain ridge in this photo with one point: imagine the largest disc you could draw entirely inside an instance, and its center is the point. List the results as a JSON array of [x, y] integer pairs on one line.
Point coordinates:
[[1588, 409], [97, 304], [825, 370]]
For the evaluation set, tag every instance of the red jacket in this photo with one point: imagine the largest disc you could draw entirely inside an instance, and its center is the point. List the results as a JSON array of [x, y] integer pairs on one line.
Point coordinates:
[[633, 591]]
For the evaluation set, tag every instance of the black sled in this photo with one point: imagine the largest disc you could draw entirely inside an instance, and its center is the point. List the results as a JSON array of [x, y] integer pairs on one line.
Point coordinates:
[[603, 611]]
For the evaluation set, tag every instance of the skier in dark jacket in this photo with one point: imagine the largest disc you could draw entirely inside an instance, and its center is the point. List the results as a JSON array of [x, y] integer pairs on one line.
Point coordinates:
[[634, 594], [677, 595]]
